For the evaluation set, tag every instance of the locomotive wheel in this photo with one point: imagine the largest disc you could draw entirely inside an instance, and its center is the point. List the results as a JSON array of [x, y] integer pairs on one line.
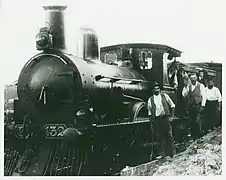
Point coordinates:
[[79, 161], [142, 134], [143, 147]]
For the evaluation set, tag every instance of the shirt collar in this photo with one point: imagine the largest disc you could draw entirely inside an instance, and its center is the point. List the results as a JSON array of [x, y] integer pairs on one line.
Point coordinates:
[[195, 83], [210, 89], [157, 95]]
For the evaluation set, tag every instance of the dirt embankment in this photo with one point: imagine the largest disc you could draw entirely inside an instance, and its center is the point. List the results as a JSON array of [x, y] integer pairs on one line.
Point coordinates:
[[202, 158]]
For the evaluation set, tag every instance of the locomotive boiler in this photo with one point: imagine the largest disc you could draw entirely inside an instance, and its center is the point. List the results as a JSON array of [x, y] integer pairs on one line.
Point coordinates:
[[57, 87], [72, 110]]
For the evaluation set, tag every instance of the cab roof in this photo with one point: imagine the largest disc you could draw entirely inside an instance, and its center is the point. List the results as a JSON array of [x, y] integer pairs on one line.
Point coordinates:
[[166, 48]]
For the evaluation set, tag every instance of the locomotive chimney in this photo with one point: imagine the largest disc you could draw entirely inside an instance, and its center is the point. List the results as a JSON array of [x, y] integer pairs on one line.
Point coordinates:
[[55, 20]]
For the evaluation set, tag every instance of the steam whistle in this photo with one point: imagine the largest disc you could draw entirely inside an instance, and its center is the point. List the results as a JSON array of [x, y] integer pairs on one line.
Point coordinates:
[[44, 40]]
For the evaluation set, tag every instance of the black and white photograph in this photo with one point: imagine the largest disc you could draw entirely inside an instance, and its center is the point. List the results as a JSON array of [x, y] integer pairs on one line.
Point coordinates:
[[112, 88]]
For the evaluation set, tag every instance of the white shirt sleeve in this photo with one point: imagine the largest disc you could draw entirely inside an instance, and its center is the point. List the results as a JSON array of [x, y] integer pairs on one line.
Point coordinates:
[[202, 89], [172, 105], [203, 94], [149, 106], [185, 91], [219, 98], [204, 98]]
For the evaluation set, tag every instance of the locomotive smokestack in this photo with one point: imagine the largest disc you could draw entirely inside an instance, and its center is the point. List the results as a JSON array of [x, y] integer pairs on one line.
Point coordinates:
[[55, 21]]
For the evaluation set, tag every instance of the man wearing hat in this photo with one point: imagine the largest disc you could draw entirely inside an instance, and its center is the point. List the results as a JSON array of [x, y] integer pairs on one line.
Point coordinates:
[[194, 92], [161, 110], [212, 102]]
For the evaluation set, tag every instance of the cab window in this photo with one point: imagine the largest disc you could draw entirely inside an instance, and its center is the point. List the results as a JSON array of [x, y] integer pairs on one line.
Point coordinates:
[[110, 58], [145, 60]]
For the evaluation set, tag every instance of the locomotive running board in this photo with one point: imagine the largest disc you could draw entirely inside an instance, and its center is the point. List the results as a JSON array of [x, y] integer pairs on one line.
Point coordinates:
[[115, 79], [145, 120], [138, 121]]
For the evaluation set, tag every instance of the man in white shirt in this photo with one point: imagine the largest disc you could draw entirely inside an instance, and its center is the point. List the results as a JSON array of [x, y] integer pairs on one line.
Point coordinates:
[[161, 111], [194, 93], [212, 102]]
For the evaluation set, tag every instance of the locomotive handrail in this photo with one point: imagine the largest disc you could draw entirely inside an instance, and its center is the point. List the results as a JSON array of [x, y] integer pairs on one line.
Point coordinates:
[[131, 97], [145, 120], [114, 79], [139, 120], [168, 87]]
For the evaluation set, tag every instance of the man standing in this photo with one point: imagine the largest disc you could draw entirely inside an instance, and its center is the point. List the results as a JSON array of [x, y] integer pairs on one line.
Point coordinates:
[[181, 103], [212, 102], [159, 106], [202, 77], [194, 93]]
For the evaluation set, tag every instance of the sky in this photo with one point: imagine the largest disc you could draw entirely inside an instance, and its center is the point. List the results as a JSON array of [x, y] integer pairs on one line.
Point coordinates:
[[196, 27]]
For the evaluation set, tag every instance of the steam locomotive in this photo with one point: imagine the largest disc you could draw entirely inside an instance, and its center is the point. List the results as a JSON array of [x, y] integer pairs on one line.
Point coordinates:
[[74, 112]]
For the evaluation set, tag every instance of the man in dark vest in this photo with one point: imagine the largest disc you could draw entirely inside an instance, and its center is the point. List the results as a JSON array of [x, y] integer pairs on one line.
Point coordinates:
[[161, 110], [195, 93]]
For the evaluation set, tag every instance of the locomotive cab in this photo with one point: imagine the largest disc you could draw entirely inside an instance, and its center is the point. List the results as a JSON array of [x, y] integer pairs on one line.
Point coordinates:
[[151, 60]]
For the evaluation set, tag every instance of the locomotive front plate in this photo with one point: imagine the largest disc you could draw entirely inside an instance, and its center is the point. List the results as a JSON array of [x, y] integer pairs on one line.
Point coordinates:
[[54, 131]]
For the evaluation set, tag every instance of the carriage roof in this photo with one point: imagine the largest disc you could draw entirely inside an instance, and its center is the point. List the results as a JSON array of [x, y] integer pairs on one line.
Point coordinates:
[[193, 68]]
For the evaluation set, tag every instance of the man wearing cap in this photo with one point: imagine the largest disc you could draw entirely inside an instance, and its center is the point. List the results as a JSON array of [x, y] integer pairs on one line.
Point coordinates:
[[159, 106], [212, 102], [194, 93]]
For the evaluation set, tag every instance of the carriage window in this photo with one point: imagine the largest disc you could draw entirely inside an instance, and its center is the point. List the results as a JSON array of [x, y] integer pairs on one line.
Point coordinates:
[[145, 60]]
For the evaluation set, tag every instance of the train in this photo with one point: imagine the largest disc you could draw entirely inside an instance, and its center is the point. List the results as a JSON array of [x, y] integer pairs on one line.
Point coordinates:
[[84, 113]]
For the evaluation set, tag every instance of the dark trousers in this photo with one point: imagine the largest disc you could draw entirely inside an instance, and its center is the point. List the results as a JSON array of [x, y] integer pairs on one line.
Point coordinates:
[[163, 132], [196, 125], [181, 104], [210, 115]]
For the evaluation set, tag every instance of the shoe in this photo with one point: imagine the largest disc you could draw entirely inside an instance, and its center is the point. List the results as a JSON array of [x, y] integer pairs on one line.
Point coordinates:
[[168, 157], [160, 157]]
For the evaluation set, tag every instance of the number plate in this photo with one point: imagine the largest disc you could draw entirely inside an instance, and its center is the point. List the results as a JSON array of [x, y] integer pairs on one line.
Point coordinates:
[[54, 131]]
